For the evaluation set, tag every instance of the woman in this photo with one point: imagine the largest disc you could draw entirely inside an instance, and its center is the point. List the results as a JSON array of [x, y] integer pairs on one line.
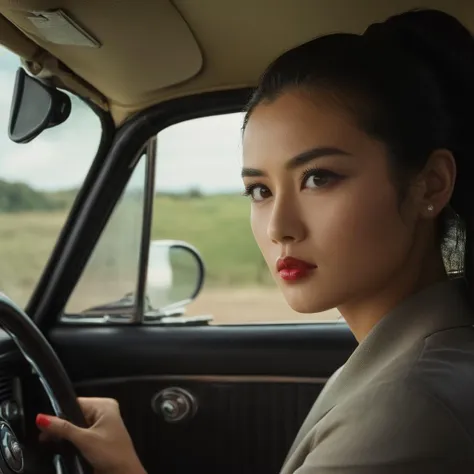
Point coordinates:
[[358, 155]]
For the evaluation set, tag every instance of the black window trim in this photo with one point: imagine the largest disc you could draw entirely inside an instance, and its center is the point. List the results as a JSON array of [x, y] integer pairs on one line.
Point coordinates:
[[105, 184]]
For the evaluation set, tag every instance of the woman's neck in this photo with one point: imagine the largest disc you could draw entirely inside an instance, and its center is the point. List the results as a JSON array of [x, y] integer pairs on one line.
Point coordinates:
[[364, 313]]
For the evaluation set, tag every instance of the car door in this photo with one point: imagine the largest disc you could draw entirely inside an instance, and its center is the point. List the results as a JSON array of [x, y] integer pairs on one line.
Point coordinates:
[[219, 376]]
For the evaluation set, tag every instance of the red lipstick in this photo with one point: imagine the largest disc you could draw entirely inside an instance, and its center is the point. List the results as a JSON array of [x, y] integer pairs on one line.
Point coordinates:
[[292, 269]]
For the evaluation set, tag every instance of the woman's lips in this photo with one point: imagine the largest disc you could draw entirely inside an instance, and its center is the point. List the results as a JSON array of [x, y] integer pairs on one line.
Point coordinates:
[[292, 269]]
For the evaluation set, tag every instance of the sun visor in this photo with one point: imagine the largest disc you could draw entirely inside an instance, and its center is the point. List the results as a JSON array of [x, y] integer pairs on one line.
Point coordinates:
[[107, 43], [15, 41]]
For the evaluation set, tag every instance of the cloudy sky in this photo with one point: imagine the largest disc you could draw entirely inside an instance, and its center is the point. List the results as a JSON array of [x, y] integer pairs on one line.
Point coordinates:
[[203, 153]]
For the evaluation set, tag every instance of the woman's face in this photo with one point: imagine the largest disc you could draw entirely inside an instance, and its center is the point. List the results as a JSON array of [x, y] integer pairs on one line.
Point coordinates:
[[321, 194]]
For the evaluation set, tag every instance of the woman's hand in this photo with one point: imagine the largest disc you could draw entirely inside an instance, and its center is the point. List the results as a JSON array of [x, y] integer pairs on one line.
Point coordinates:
[[106, 444]]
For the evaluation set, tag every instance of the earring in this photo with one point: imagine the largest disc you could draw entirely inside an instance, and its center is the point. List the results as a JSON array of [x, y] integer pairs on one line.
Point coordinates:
[[430, 208]]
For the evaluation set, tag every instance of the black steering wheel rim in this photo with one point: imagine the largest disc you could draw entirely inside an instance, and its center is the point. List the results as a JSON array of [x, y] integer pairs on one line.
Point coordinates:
[[44, 361]]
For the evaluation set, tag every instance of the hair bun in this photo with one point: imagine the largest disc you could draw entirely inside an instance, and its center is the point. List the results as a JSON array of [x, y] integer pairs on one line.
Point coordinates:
[[446, 47], [434, 27], [433, 36]]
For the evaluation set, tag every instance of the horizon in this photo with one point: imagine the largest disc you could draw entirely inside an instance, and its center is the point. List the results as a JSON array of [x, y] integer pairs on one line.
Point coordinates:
[[172, 192]]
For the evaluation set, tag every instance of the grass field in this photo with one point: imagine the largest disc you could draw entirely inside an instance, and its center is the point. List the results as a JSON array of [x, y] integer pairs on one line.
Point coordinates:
[[238, 286], [218, 226]]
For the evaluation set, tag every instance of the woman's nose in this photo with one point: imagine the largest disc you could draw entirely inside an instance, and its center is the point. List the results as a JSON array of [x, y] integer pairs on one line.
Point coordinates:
[[286, 225]]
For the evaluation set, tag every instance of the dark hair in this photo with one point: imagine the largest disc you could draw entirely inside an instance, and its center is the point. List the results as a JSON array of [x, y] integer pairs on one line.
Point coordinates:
[[410, 83]]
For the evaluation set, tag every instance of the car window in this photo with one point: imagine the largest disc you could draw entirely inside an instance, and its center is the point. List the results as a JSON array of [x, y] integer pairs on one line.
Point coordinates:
[[199, 200], [38, 183]]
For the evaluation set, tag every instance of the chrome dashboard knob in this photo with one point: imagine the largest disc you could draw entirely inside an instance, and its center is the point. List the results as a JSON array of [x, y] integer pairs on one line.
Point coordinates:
[[174, 404], [11, 450]]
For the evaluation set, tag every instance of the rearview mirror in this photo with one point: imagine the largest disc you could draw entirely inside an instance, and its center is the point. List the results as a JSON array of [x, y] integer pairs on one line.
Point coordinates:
[[175, 275], [35, 107]]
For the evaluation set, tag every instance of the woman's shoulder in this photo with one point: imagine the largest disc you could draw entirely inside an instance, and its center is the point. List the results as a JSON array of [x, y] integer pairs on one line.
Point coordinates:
[[397, 426], [434, 379], [444, 371], [415, 412], [433, 395], [414, 422]]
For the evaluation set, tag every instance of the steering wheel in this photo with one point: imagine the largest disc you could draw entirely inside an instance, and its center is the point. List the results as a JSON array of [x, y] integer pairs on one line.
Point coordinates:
[[59, 389]]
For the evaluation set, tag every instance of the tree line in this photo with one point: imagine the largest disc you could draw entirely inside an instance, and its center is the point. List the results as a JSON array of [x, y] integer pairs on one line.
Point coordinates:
[[19, 197]]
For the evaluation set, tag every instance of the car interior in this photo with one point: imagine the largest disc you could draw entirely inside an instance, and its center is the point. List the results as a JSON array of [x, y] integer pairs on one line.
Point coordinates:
[[194, 395]]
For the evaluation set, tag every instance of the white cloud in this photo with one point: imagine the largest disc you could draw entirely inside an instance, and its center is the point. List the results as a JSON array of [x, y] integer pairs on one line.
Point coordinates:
[[203, 153]]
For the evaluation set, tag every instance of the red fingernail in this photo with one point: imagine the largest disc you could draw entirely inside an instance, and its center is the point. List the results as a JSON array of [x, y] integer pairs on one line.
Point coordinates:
[[43, 421]]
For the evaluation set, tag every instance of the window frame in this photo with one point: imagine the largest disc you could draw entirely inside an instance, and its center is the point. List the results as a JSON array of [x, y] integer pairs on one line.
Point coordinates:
[[106, 182]]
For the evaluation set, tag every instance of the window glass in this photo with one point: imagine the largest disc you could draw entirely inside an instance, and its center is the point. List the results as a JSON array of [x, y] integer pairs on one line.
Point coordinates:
[[199, 200], [110, 276], [38, 183]]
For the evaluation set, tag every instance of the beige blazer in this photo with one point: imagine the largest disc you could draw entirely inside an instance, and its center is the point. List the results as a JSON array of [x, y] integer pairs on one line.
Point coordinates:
[[404, 401]]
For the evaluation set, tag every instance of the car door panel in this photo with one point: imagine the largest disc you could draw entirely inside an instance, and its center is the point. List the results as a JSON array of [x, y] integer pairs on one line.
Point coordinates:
[[240, 425], [253, 386]]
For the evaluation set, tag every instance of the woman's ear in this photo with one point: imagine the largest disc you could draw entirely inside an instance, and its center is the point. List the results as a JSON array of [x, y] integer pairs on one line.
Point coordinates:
[[437, 182]]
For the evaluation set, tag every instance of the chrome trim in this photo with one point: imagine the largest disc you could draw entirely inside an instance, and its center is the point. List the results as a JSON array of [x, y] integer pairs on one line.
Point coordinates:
[[149, 199], [37, 371], [205, 379], [179, 399]]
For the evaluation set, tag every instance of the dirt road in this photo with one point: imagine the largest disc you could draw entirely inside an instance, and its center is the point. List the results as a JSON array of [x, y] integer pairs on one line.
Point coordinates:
[[226, 305], [250, 305]]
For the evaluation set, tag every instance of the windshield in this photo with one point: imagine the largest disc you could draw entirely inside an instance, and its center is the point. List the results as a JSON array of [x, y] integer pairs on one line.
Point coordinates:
[[38, 184]]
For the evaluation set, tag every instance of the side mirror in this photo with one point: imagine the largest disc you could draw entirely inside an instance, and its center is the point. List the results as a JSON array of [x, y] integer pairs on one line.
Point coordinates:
[[175, 275], [35, 107]]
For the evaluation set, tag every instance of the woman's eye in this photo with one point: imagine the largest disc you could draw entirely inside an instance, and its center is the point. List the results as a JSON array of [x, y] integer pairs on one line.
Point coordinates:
[[313, 179], [257, 192]]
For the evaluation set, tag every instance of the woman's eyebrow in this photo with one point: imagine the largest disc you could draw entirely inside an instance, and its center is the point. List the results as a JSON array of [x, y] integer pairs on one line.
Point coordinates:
[[299, 160]]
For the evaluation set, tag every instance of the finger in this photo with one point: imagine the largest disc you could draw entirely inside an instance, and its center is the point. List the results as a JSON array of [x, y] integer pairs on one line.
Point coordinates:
[[89, 406], [95, 408], [88, 403], [58, 428]]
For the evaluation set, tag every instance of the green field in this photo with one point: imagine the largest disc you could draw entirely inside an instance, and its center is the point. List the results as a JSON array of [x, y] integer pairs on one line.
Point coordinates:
[[217, 225]]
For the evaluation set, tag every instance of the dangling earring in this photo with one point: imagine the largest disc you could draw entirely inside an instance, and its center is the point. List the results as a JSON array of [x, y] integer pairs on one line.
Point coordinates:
[[430, 208]]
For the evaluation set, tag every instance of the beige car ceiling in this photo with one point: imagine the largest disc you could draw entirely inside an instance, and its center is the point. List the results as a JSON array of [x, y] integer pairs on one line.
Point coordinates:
[[129, 54]]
